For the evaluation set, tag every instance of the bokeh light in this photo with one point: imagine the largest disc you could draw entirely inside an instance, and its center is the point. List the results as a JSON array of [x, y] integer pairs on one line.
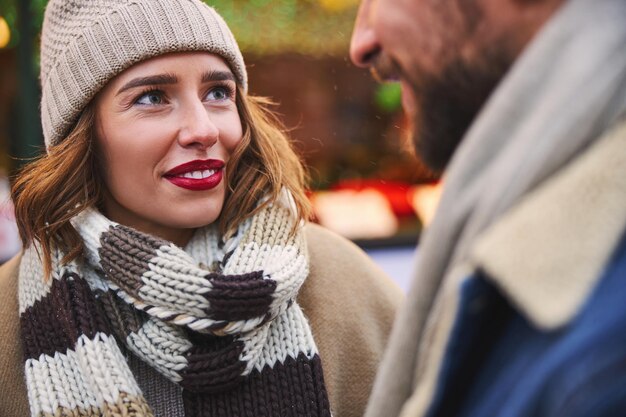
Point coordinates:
[[5, 33], [338, 5]]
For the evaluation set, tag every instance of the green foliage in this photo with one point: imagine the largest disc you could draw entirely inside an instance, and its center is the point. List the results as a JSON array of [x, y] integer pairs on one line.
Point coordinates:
[[260, 26], [279, 26], [389, 97], [37, 8], [9, 13], [9, 10], [6, 5]]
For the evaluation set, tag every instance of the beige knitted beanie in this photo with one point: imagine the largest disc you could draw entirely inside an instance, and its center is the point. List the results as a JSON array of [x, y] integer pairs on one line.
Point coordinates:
[[85, 43]]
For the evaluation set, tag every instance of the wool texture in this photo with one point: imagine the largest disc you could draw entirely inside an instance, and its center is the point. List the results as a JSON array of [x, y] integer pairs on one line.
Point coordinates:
[[219, 319]]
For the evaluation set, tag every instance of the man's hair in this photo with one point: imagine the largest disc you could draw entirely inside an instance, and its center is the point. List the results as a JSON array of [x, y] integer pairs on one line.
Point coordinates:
[[51, 190]]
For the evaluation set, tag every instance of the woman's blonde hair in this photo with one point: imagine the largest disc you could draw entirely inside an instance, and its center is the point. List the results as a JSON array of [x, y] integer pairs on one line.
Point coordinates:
[[51, 190]]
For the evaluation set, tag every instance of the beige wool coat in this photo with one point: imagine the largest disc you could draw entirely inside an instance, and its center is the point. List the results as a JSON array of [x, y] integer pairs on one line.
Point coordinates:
[[349, 302]]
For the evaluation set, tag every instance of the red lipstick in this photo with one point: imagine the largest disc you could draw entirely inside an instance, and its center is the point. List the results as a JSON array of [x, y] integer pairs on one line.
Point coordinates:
[[198, 175]]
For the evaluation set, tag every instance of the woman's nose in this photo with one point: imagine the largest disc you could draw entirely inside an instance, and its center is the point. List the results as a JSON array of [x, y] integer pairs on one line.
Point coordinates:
[[197, 127], [364, 44]]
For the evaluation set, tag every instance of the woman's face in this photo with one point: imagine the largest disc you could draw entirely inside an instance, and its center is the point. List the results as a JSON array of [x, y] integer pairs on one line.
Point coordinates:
[[166, 129]]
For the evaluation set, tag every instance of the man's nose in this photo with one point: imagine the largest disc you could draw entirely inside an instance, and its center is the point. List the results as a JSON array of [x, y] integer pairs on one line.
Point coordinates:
[[197, 126], [364, 44]]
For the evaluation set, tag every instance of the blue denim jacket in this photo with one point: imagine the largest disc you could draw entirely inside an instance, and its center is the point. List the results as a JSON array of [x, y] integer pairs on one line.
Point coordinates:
[[498, 363]]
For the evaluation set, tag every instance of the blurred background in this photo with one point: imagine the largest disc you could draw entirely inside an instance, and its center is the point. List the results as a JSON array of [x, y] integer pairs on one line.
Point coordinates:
[[350, 131]]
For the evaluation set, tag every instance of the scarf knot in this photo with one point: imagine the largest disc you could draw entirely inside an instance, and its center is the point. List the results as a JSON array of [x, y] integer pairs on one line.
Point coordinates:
[[218, 332]]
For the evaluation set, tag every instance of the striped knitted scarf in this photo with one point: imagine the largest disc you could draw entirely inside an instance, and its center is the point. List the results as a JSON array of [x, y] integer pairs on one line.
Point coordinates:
[[219, 320]]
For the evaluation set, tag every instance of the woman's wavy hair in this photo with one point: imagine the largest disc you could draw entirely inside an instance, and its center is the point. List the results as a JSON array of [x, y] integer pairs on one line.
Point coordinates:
[[51, 190]]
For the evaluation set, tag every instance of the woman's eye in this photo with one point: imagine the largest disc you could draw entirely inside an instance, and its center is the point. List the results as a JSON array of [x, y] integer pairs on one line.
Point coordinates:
[[219, 94], [151, 98]]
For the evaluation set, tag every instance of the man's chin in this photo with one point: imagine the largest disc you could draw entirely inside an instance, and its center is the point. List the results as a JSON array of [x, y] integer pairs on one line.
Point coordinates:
[[433, 145], [429, 158], [425, 143]]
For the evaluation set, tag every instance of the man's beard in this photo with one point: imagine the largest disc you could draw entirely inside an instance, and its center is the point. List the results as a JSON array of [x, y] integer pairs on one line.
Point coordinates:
[[448, 104]]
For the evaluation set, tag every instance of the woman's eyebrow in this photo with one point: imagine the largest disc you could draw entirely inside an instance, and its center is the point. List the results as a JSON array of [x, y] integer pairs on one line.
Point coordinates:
[[161, 79], [217, 76]]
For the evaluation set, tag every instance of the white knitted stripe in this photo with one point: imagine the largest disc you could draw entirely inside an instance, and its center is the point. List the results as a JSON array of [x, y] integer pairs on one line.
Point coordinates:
[[254, 256], [32, 285], [287, 336], [91, 225], [289, 267], [93, 374], [267, 240], [271, 226], [172, 264], [57, 382], [161, 346], [203, 247], [174, 279], [173, 257], [106, 367]]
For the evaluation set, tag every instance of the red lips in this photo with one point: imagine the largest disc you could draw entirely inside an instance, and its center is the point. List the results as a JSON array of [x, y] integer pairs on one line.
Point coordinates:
[[198, 175]]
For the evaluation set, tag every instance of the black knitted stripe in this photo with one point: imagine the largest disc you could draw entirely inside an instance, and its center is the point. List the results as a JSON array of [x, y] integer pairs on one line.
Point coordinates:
[[239, 297], [213, 364], [124, 318], [291, 389], [125, 255], [54, 323]]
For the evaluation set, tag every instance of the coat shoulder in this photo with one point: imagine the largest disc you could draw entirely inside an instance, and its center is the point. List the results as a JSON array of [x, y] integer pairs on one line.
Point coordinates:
[[336, 260], [344, 280], [13, 399], [351, 304]]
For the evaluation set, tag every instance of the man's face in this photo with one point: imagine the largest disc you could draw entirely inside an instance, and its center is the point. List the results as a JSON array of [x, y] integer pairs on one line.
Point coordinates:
[[448, 57]]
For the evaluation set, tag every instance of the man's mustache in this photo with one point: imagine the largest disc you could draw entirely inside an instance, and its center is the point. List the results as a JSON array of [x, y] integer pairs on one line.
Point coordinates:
[[384, 68]]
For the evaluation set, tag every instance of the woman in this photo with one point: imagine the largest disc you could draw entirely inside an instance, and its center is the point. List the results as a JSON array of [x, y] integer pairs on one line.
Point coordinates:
[[167, 267]]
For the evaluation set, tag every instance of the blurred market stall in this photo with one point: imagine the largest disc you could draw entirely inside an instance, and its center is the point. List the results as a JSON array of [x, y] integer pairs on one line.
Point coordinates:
[[348, 129]]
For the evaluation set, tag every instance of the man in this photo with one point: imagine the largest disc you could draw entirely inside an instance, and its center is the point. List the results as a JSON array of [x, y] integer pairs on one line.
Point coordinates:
[[518, 307]]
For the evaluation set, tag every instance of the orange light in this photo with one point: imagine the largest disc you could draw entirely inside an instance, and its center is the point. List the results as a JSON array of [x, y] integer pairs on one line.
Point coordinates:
[[425, 200], [5, 33], [337, 6]]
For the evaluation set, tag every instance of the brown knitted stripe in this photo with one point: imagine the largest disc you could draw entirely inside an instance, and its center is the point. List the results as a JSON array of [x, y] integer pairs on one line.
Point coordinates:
[[126, 405], [213, 364], [239, 297], [291, 389], [54, 323], [125, 255]]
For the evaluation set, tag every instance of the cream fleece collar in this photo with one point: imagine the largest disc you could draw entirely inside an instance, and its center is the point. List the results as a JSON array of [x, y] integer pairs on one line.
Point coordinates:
[[549, 251]]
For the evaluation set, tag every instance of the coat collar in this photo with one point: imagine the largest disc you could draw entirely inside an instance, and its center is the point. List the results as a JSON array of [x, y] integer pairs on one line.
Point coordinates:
[[549, 251]]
